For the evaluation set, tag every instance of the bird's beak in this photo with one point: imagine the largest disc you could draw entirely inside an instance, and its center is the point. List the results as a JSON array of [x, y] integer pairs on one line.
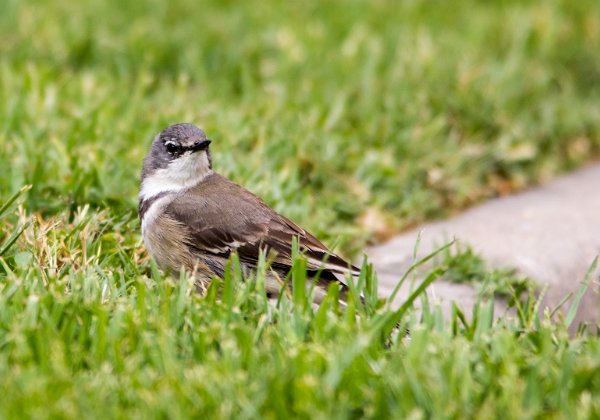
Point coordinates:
[[200, 145]]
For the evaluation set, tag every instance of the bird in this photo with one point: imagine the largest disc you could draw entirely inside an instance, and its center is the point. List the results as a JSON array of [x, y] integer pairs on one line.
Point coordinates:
[[194, 219]]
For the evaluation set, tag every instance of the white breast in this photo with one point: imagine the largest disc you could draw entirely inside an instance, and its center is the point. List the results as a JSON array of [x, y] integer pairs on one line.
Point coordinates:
[[182, 173], [155, 210]]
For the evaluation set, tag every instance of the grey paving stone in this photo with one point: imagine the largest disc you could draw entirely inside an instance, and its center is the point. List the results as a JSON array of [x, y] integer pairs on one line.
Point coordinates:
[[550, 234]]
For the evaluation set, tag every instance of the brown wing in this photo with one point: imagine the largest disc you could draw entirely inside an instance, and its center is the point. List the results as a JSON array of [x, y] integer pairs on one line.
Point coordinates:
[[222, 217]]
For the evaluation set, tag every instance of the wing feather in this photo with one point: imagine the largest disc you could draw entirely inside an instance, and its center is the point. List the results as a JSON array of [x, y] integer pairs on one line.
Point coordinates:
[[223, 217]]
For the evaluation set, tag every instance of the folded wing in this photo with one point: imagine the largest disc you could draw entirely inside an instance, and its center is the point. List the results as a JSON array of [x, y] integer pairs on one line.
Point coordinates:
[[222, 217]]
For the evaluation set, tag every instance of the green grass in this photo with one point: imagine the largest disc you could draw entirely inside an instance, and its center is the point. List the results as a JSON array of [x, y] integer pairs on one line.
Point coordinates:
[[355, 119], [464, 265], [88, 330]]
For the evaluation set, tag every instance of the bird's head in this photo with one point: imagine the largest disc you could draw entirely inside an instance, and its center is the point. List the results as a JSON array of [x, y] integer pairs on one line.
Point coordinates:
[[178, 158]]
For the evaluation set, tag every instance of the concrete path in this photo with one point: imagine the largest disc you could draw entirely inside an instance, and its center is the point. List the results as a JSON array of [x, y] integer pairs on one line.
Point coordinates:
[[550, 234]]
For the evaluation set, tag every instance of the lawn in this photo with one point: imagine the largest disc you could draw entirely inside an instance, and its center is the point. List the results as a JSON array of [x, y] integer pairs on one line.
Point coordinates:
[[355, 119]]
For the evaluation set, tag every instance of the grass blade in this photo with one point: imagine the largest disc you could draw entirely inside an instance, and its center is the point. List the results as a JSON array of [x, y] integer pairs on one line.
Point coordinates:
[[12, 199], [415, 265], [584, 286], [397, 315], [10, 241]]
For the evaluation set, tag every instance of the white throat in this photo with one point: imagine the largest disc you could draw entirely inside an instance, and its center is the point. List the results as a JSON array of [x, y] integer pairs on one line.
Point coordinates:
[[182, 173]]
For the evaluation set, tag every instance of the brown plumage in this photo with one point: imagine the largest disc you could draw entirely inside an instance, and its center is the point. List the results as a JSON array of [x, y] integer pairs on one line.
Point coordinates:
[[199, 225]]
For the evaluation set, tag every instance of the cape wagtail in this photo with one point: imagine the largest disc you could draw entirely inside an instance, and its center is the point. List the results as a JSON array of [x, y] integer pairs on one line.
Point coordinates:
[[194, 219]]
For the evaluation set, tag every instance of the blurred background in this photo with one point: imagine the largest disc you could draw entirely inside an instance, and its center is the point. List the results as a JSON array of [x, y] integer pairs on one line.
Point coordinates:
[[356, 119]]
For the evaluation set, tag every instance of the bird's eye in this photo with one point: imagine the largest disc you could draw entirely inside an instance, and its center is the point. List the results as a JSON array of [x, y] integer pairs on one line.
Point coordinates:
[[173, 149]]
